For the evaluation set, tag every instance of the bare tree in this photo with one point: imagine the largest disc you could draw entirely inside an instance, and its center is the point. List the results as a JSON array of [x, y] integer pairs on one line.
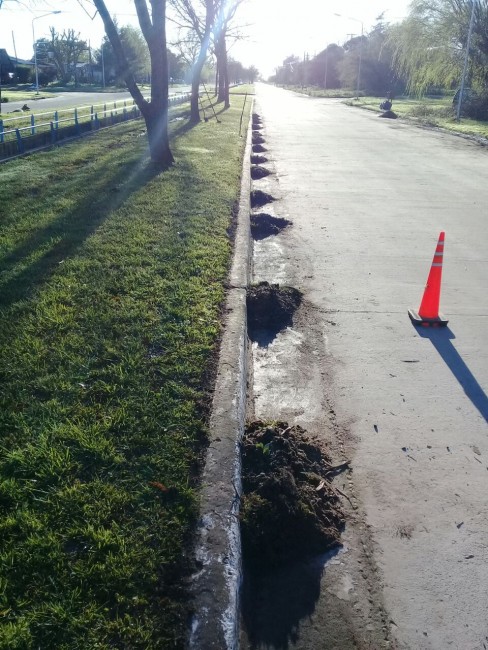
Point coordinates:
[[155, 111], [225, 11], [67, 51], [195, 18]]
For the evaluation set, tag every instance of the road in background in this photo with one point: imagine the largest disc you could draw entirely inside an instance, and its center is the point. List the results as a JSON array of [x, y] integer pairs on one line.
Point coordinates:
[[368, 198], [69, 100]]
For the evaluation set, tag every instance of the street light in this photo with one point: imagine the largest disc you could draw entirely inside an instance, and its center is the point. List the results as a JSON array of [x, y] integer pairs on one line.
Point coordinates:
[[35, 46], [466, 59], [360, 48], [326, 65]]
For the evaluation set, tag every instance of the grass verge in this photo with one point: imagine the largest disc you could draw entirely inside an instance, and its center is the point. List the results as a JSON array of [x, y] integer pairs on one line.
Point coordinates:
[[429, 112], [14, 95], [242, 89], [111, 284], [315, 91]]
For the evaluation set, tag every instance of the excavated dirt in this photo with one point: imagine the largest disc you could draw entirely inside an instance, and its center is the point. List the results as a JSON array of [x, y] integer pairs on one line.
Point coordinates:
[[270, 309], [258, 139], [265, 225], [389, 114], [256, 118], [258, 172], [258, 148], [289, 509], [258, 160], [260, 198]]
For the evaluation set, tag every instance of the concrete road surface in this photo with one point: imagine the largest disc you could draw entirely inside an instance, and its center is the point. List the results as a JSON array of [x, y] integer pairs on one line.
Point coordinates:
[[368, 198]]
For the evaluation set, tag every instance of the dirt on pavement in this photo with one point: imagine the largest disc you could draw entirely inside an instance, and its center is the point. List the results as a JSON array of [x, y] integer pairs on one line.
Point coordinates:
[[290, 509]]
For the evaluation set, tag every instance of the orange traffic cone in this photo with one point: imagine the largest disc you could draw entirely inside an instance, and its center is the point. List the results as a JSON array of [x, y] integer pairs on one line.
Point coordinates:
[[428, 313]]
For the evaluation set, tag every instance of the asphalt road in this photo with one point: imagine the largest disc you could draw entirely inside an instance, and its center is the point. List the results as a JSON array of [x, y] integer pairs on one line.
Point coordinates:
[[72, 99], [368, 198]]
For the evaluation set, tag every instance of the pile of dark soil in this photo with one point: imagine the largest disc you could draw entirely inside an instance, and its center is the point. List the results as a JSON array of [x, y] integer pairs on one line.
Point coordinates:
[[257, 139], [258, 148], [258, 172], [258, 160], [259, 198], [289, 508], [389, 114], [256, 118], [270, 309], [264, 225]]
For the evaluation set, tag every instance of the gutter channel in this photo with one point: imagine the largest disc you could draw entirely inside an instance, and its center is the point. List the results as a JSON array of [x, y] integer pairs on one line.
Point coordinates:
[[216, 585]]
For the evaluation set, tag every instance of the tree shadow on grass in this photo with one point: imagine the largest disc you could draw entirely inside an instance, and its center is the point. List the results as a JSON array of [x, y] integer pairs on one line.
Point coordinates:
[[69, 230], [184, 127]]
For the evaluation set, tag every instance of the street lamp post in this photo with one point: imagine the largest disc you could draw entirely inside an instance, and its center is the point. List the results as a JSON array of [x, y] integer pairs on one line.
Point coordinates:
[[360, 49], [326, 66], [103, 67], [466, 60], [35, 45]]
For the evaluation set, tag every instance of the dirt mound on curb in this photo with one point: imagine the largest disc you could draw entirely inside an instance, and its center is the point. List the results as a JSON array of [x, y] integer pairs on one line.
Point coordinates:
[[289, 508], [260, 198], [265, 225], [258, 172], [270, 309], [389, 114]]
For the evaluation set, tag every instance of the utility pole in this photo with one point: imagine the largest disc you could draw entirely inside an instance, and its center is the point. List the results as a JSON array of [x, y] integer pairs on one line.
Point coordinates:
[[13, 42], [326, 64], [103, 67], [466, 61], [35, 44]]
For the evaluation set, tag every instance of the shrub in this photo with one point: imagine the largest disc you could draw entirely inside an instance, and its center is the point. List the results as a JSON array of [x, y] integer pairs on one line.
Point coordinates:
[[476, 107], [424, 111], [24, 74]]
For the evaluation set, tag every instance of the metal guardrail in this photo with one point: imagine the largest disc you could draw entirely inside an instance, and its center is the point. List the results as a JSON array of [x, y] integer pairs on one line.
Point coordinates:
[[79, 120]]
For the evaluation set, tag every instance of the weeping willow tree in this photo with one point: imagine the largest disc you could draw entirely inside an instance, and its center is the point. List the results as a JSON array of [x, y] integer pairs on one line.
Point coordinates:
[[429, 45]]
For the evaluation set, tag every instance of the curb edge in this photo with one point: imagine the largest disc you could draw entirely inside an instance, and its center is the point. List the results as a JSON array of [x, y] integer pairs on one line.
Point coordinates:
[[215, 587]]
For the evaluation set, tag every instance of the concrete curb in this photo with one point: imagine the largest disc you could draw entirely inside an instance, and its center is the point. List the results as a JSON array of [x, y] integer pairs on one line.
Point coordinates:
[[215, 587]]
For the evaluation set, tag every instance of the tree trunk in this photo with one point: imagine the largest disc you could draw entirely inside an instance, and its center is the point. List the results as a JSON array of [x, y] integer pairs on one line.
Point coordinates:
[[200, 62], [223, 70], [226, 84], [195, 86], [157, 135], [155, 113]]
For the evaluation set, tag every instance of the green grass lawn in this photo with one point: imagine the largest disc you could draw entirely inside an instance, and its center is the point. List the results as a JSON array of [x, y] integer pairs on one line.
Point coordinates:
[[21, 95], [242, 89], [429, 111], [65, 116], [315, 91], [111, 285]]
